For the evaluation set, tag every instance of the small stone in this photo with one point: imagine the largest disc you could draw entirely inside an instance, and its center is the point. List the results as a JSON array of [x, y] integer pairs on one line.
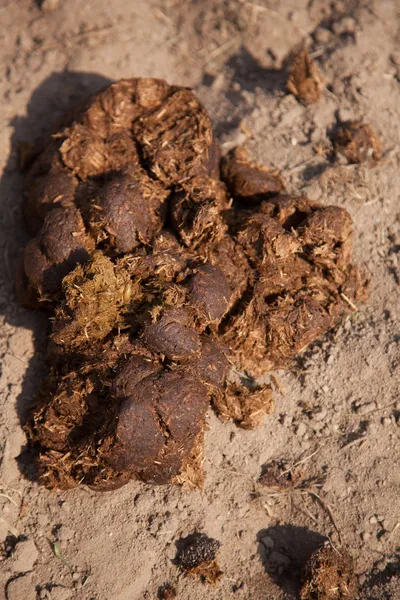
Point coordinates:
[[218, 82], [363, 409], [49, 5], [313, 191], [365, 536], [322, 35], [22, 587], [288, 420], [60, 592], [373, 520], [65, 534], [279, 559], [301, 429], [386, 421], [321, 415], [345, 25], [66, 507], [268, 542], [371, 427], [25, 556], [380, 519]]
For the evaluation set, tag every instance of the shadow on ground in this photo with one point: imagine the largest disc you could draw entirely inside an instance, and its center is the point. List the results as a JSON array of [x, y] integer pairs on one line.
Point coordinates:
[[57, 95], [283, 550], [383, 583], [246, 75]]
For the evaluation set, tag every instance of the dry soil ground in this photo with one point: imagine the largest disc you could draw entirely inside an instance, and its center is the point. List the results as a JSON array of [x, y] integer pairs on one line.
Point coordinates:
[[338, 416]]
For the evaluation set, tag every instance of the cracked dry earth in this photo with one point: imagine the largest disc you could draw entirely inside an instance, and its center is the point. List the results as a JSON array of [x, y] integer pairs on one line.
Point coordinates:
[[336, 420]]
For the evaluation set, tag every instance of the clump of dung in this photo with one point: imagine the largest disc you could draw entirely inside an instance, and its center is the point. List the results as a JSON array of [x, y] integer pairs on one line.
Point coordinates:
[[197, 556], [305, 80], [247, 181], [329, 575], [166, 592], [358, 142], [163, 275]]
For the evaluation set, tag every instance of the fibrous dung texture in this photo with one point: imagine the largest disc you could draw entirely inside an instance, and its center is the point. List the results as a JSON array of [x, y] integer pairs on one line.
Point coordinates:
[[329, 575], [162, 274]]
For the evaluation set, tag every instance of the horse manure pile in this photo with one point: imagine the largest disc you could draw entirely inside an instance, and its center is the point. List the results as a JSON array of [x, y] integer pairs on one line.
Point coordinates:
[[162, 274], [329, 575], [358, 142], [197, 555]]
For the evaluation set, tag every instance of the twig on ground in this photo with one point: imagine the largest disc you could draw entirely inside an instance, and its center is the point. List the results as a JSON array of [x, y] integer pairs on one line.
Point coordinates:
[[328, 510]]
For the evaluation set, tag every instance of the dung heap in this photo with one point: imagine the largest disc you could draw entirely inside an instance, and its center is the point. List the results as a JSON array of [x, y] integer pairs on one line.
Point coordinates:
[[163, 270], [329, 575]]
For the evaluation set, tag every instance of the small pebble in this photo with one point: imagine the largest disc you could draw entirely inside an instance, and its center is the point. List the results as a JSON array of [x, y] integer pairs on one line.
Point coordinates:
[[301, 429], [365, 408], [373, 520], [268, 542], [386, 421], [345, 25], [371, 427], [322, 35], [321, 415], [279, 559], [49, 5], [288, 420]]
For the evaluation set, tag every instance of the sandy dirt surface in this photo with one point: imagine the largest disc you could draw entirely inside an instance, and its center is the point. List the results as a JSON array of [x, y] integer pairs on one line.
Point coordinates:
[[337, 420]]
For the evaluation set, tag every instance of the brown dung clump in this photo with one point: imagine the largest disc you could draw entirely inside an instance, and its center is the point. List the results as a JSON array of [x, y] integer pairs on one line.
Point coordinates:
[[166, 592], [162, 275], [329, 575], [197, 556], [358, 142], [305, 80]]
